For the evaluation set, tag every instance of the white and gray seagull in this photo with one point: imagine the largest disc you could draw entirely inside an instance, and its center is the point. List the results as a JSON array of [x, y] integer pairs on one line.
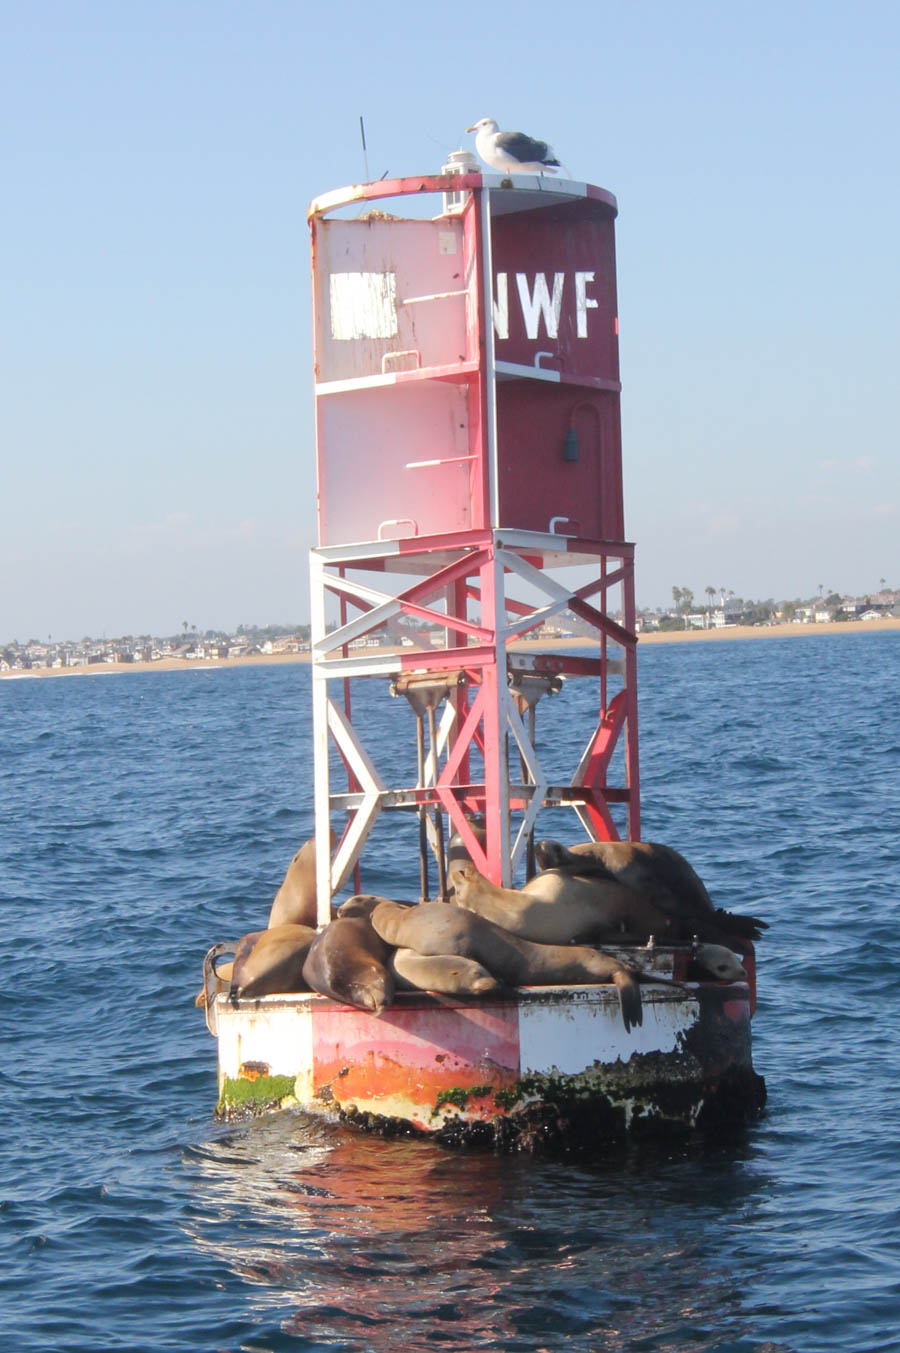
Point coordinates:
[[512, 152]]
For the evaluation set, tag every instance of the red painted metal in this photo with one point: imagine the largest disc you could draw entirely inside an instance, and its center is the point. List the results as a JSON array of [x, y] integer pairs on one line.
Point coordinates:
[[537, 483], [479, 1046]]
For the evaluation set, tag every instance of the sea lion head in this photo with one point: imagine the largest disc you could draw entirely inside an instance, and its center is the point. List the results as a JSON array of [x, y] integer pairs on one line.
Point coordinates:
[[456, 848], [360, 904], [720, 963], [346, 962], [551, 854], [463, 877], [370, 988]]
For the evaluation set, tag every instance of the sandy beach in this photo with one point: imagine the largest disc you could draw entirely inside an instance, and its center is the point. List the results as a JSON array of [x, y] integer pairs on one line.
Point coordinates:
[[770, 631], [654, 637]]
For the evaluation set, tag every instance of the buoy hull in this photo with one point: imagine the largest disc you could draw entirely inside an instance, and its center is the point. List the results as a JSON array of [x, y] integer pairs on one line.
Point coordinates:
[[546, 1066]]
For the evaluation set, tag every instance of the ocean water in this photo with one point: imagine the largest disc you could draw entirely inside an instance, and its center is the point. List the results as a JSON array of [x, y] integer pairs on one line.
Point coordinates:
[[144, 817]]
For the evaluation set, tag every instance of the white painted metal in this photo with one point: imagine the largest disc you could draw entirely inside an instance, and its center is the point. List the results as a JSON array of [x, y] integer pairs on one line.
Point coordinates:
[[384, 664], [539, 780], [399, 377], [495, 621], [361, 314], [369, 437], [444, 729], [489, 368], [275, 1032], [555, 551], [372, 787], [320, 741], [540, 373], [570, 1034]]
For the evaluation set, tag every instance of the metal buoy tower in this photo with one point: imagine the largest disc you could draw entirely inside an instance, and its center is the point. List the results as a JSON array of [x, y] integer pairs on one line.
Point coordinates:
[[468, 449]]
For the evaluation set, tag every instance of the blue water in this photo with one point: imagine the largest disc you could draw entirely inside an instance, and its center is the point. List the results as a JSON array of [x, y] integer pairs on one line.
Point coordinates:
[[145, 816]]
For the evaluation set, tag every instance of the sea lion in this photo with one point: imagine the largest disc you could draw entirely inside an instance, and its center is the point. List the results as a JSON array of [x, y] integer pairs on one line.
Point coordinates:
[[434, 928], [559, 907], [270, 962], [347, 961], [449, 974], [661, 876], [295, 901]]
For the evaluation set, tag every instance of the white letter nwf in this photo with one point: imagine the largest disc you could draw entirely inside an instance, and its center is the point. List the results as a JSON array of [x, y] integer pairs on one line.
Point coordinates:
[[539, 303], [583, 302]]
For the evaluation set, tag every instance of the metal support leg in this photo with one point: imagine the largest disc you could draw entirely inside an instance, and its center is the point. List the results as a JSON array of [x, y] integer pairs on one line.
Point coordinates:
[[423, 811]]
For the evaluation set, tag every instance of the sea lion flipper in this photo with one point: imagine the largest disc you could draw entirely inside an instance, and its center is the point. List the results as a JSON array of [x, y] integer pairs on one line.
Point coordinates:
[[450, 974], [745, 927], [630, 1002]]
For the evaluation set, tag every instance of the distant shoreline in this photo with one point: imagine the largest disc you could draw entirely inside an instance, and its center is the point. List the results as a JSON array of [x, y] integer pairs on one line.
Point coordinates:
[[651, 637]]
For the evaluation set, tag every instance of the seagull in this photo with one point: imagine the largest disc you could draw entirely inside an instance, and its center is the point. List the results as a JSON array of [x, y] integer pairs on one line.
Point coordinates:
[[512, 151]]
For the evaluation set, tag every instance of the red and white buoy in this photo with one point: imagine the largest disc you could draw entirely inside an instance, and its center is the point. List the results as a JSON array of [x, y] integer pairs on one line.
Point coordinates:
[[469, 449]]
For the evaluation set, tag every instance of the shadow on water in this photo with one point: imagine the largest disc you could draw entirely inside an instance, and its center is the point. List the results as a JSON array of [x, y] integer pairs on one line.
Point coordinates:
[[358, 1243]]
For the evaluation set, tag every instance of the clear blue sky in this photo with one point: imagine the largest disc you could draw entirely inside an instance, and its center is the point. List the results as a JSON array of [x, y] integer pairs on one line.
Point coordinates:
[[155, 368]]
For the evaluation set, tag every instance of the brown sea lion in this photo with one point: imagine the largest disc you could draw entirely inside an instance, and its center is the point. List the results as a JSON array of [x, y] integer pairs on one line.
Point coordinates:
[[449, 974], [270, 962], [433, 928], [660, 875], [558, 907], [295, 901], [348, 962]]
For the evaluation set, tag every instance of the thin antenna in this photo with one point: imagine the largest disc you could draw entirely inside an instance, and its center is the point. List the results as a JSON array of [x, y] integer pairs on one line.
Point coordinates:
[[362, 133]]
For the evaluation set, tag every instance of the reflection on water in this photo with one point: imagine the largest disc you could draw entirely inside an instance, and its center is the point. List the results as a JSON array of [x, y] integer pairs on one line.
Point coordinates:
[[355, 1242]]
